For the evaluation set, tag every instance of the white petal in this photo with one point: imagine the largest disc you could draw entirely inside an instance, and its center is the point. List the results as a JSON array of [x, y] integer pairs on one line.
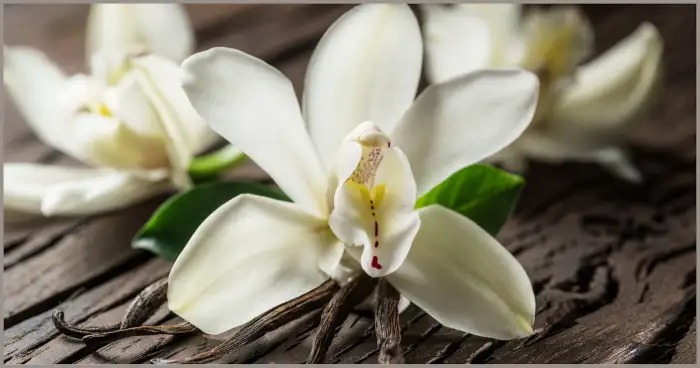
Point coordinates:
[[618, 163], [460, 38], [555, 41], [397, 220], [177, 119], [61, 190], [614, 89], [160, 28], [465, 279], [250, 255], [254, 107], [34, 83], [166, 77], [462, 121], [374, 205], [128, 103], [106, 141], [366, 67], [86, 119], [557, 149]]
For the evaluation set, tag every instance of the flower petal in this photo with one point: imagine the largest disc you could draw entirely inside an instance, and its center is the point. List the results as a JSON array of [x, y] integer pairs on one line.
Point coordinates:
[[460, 122], [556, 149], [61, 190], [397, 220], [34, 83], [183, 130], [105, 141], [165, 77], [614, 89], [461, 38], [366, 67], [254, 107], [555, 41], [374, 204], [250, 255], [163, 29], [465, 279]]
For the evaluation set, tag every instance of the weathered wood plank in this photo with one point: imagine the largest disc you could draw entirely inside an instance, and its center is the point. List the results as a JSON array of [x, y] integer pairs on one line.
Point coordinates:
[[23, 338], [86, 257], [686, 349], [613, 264]]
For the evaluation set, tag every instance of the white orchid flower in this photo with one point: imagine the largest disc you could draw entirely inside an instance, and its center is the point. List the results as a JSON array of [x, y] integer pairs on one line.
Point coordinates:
[[354, 163], [584, 109], [129, 118], [161, 29]]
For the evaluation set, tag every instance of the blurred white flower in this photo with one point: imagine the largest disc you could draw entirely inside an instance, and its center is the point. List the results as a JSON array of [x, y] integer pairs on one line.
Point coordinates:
[[354, 159], [161, 29], [585, 110], [129, 119]]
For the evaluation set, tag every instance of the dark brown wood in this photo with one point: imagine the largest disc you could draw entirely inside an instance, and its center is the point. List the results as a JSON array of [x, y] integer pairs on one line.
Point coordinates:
[[88, 256], [140, 309], [336, 311], [268, 321], [386, 324], [613, 264], [23, 339]]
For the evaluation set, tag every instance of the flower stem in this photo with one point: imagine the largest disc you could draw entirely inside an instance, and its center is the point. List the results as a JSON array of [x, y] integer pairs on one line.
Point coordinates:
[[387, 326], [208, 167], [263, 324], [336, 311]]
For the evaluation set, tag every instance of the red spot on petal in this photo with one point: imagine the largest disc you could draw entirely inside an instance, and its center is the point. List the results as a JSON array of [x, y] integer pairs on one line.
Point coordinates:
[[375, 263], [376, 244]]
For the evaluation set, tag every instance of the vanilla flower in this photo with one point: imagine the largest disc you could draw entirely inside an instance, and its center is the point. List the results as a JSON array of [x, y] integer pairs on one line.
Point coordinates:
[[584, 110], [161, 29], [129, 119], [354, 159]]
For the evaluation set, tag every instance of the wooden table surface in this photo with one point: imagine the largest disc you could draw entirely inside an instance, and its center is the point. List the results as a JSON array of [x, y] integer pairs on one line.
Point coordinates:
[[613, 264]]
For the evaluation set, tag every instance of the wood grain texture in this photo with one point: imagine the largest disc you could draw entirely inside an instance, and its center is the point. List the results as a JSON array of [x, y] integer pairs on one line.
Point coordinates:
[[613, 264]]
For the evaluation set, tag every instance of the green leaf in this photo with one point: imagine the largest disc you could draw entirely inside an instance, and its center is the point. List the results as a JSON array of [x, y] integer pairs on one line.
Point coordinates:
[[174, 222], [483, 193], [209, 166]]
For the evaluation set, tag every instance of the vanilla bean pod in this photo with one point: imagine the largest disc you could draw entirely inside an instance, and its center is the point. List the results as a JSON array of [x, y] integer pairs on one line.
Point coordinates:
[[386, 324], [263, 324], [336, 312], [107, 337], [144, 305], [76, 331]]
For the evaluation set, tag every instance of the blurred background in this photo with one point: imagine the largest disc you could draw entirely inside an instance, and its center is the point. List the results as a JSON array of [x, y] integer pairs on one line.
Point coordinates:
[[613, 263]]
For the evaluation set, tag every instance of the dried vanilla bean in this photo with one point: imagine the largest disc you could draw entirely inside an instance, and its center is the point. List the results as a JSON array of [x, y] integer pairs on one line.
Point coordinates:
[[76, 331], [263, 324], [144, 306], [107, 337], [386, 324], [335, 313], [146, 303]]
